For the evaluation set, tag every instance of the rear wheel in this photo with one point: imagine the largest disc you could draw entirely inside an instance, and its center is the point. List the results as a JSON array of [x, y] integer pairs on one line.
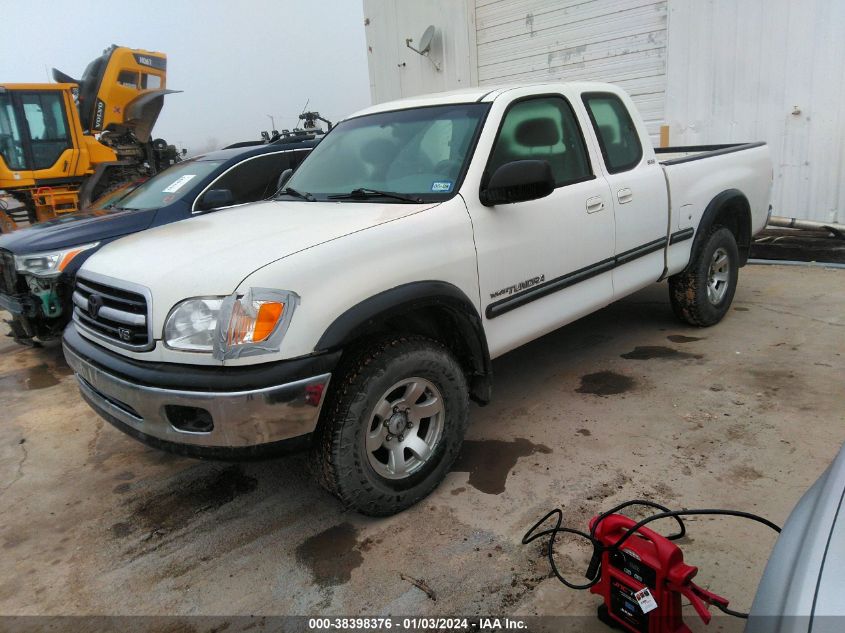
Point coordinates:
[[703, 294], [392, 424]]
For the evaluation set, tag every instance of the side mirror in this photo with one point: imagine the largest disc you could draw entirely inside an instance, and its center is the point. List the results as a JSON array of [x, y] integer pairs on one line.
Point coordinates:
[[216, 198], [518, 181], [283, 178]]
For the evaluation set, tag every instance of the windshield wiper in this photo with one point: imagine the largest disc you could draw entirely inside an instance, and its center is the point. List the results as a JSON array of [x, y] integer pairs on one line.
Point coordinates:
[[296, 194], [363, 193]]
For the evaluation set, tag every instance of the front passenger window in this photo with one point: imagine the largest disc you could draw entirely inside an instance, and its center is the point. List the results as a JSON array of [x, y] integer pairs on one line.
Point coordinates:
[[542, 129]]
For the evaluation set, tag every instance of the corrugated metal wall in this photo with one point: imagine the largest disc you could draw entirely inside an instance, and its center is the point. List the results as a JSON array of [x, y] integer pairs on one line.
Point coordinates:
[[771, 70], [620, 41]]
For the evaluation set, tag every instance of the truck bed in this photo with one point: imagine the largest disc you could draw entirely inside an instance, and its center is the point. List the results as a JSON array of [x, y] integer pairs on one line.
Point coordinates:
[[686, 153], [742, 169]]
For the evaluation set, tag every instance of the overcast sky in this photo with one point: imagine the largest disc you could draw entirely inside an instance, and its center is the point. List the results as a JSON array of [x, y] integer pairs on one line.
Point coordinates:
[[236, 61]]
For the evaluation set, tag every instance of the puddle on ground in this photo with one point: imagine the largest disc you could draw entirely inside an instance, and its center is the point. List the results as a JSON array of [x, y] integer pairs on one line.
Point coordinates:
[[489, 462], [681, 338], [56, 359], [605, 383], [188, 497], [31, 378], [647, 352], [330, 555]]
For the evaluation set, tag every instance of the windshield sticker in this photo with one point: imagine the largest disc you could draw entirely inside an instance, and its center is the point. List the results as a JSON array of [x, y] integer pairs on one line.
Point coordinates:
[[177, 184], [441, 186]]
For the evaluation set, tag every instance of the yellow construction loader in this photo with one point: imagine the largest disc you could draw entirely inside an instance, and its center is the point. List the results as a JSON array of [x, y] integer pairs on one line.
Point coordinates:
[[63, 145]]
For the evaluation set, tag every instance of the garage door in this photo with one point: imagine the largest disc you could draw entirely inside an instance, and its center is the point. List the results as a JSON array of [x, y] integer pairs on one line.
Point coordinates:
[[620, 41]]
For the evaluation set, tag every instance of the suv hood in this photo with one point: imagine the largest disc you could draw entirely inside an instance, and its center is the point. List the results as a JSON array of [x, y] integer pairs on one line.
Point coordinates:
[[74, 230], [210, 255]]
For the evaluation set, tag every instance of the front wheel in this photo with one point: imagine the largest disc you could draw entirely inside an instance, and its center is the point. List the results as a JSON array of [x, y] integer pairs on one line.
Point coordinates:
[[392, 425], [702, 295]]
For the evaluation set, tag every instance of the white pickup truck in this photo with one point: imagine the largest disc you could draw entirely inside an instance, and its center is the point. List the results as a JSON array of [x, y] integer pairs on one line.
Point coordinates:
[[358, 311]]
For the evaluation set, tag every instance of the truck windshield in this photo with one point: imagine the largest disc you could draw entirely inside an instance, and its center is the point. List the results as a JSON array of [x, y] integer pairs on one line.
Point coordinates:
[[170, 185], [419, 153]]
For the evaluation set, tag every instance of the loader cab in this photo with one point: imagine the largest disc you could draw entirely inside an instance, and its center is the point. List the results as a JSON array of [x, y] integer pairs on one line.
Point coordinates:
[[35, 133]]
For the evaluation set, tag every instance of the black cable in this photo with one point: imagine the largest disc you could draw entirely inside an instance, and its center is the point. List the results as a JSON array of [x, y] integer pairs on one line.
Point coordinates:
[[680, 513], [594, 569], [726, 611], [640, 502], [598, 548], [553, 532]]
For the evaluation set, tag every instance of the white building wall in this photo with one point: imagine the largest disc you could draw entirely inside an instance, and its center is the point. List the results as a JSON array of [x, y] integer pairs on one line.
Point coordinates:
[[770, 70], [395, 70], [620, 41], [715, 71]]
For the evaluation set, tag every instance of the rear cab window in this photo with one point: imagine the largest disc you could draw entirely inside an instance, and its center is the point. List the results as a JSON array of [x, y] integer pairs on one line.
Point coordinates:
[[616, 132]]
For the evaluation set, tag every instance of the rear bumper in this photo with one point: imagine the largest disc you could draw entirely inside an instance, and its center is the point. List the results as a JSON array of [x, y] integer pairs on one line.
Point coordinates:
[[237, 423]]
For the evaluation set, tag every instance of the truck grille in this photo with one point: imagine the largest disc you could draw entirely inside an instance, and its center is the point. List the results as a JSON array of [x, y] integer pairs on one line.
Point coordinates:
[[8, 276], [117, 315]]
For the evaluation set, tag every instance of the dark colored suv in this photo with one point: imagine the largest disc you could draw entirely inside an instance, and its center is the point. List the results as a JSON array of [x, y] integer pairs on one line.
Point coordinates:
[[38, 264]]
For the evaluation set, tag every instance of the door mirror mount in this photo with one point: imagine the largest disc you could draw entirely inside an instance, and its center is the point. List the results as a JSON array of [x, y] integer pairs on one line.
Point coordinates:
[[283, 179], [518, 181]]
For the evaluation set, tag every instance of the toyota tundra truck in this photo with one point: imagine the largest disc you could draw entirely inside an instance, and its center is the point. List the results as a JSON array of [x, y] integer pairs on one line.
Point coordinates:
[[357, 313]]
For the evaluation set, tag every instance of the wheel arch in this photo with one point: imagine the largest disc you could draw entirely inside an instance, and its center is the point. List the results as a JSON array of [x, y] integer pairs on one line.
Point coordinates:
[[730, 209], [436, 309]]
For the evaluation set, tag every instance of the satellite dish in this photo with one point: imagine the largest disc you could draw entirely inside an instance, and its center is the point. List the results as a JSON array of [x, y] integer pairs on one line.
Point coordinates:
[[425, 40], [425, 45]]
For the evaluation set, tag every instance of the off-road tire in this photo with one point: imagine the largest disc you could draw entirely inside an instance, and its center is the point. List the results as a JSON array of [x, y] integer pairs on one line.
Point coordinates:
[[339, 455], [688, 290]]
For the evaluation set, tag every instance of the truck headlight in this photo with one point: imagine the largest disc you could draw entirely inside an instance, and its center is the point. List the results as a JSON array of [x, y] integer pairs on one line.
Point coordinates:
[[233, 326], [49, 264], [191, 325]]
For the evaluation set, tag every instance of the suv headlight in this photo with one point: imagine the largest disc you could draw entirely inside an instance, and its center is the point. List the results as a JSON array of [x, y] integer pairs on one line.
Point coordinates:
[[233, 326], [49, 264]]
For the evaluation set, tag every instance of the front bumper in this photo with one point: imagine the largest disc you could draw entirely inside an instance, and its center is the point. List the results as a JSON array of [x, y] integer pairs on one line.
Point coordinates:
[[12, 305], [244, 421]]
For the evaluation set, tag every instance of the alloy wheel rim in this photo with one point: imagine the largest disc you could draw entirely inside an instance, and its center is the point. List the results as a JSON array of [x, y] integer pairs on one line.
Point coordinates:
[[404, 428], [718, 276]]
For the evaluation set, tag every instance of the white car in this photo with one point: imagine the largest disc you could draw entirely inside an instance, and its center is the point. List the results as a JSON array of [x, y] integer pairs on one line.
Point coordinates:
[[801, 588], [358, 312]]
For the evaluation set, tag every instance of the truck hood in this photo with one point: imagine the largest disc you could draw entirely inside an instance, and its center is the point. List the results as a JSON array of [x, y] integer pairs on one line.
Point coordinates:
[[210, 255], [74, 230]]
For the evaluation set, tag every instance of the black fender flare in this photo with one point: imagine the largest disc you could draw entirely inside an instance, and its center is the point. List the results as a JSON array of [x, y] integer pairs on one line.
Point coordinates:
[[407, 298], [708, 218]]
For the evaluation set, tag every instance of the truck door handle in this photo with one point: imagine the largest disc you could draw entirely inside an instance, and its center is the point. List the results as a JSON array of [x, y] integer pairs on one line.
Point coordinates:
[[594, 204], [624, 195]]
